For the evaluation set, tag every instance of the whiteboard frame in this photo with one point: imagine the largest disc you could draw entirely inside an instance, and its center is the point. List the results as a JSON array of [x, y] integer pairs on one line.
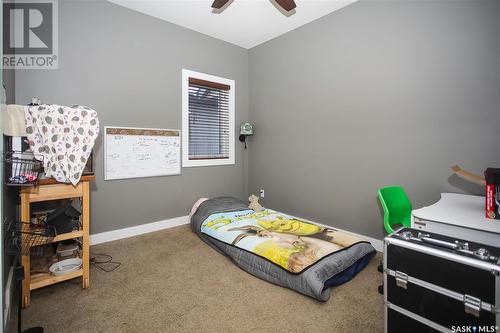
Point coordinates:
[[142, 128]]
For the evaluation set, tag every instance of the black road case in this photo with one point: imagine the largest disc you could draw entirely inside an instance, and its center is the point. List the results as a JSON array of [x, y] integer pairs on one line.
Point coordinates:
[[435, 283]]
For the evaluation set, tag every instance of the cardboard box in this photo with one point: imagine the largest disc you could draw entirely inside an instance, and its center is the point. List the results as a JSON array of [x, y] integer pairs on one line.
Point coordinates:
[[492, 176]]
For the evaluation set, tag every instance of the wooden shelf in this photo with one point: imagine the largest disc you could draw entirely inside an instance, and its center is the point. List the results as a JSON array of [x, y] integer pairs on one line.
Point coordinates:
[[53, 192], [49, 189], [46, 279], [68, 235], [51, 181]]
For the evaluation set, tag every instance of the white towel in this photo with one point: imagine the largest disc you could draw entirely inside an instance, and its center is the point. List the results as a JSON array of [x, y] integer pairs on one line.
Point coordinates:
[[64, 136], [13, 120]]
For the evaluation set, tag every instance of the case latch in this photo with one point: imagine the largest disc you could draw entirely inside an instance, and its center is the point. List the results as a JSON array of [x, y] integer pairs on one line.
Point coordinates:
[[472, 305], [401, 279]]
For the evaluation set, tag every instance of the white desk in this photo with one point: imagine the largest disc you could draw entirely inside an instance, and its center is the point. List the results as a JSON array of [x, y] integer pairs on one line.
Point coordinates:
[[458, 215]]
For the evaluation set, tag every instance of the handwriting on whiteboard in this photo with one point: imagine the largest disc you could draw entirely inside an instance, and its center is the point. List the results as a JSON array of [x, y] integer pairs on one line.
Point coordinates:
[[141, 153]]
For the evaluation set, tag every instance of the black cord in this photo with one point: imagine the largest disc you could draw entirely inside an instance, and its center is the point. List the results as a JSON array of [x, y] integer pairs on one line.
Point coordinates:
[[101, 264], [98, 264]]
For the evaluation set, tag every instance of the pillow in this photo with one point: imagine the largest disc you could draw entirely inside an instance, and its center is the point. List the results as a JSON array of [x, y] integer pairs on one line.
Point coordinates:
[[196, 205]]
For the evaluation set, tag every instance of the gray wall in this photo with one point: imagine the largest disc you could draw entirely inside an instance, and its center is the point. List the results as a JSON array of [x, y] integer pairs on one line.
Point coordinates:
[[378, 93], [127, 66]]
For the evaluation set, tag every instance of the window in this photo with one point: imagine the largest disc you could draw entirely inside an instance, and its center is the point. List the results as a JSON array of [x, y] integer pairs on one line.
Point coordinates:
[[207, 120]]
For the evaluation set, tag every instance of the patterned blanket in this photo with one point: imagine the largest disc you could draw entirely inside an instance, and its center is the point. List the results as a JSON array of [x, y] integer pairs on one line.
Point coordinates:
[[64, 136], [282, 239]]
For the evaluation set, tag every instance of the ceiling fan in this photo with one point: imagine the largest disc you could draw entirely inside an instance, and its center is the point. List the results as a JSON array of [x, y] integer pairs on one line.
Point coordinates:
[[287, 5]]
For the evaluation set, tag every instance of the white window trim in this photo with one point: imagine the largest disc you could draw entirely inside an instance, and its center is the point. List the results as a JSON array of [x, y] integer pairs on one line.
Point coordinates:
[[186, 162]]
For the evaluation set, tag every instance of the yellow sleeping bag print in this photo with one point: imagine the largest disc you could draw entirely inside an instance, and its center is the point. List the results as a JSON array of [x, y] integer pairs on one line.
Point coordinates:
[[284, 240]]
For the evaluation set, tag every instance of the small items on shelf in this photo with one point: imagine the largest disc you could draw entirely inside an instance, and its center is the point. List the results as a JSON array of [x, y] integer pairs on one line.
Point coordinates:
[[67, 250], [64, 216], [43, 257], [22, 168], [66, 266], [22, 236], [65, 219]]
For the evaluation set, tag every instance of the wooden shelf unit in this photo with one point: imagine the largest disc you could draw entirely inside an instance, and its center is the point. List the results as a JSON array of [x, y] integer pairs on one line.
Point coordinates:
[[46, 279], [68, 235], [51, 190]]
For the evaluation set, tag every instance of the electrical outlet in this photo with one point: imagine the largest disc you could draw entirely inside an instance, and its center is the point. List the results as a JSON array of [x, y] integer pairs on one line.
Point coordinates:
[[261, 192]]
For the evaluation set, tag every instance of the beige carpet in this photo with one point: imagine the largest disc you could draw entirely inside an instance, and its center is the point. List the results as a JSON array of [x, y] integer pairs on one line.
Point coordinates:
[[170, 281]]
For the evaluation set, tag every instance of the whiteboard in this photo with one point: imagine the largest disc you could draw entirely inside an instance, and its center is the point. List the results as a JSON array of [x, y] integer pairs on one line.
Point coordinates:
[[141, 152]]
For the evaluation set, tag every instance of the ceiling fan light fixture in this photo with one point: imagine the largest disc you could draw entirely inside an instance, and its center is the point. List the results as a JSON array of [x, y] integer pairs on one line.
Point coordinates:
[[218, 4], [287, 5]]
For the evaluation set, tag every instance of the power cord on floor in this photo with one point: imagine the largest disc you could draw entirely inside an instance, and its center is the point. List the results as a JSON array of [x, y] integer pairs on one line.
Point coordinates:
[[101, 264]]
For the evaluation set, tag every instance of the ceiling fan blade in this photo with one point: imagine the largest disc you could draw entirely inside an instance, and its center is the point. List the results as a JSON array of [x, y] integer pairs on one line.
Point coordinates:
[[287, 5], [218, 4]]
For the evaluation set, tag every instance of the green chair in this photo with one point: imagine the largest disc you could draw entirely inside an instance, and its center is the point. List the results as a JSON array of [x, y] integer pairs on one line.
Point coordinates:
[[397, 207], [397, 211]]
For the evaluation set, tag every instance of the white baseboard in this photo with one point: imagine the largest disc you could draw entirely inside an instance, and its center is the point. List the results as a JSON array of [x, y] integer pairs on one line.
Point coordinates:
[[109, 236]]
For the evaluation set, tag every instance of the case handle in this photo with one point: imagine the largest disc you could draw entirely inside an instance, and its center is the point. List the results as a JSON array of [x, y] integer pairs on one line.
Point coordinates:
[[438, 242], [401, 279], [472, 305]]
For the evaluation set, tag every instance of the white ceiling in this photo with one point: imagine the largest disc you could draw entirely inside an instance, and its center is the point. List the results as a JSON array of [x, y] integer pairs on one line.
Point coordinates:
[[246, 23]]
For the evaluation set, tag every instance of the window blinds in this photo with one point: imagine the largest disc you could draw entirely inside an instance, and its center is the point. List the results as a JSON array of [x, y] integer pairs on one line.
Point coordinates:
[[208, 120]]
